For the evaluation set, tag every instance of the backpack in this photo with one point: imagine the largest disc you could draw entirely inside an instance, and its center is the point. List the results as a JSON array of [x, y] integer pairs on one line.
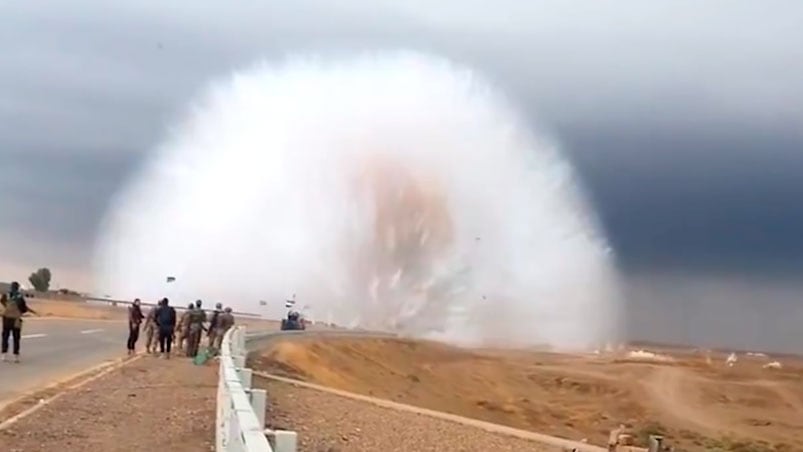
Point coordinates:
[[15, 306]]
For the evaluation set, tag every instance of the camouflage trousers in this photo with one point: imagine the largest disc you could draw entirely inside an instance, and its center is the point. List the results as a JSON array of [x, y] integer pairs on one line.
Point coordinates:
[[150, 335], [193, 342], [183, 335], [212, 338]]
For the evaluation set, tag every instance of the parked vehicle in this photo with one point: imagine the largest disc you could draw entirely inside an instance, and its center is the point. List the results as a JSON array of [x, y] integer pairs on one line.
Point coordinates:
[[293, 322]]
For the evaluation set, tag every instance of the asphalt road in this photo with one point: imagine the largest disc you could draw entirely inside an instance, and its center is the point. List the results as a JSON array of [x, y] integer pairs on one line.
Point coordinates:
[[57, 349]]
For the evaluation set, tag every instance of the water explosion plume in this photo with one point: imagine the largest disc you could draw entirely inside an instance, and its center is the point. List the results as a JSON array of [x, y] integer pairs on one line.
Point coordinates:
[[394, 192]]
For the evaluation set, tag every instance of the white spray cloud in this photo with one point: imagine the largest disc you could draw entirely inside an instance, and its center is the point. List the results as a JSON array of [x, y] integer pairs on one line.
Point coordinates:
[[393, 191]]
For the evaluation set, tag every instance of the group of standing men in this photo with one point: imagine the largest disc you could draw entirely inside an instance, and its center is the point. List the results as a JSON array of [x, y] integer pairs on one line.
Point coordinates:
[[161, 322]]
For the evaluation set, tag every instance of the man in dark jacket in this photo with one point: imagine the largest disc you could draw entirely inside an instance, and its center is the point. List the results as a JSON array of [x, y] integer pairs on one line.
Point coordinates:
[[134, 321], [14, 307], [166, 323]]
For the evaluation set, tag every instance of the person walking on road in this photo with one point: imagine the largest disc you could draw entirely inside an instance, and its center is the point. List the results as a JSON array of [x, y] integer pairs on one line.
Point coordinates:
[[166, 323], [14, 307], [196, 327], [210, 334], [150, 328], [134, 321], [184, 326], [224, 323]]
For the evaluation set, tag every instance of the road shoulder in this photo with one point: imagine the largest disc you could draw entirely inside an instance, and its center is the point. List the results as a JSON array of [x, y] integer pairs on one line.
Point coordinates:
[[149, 404]]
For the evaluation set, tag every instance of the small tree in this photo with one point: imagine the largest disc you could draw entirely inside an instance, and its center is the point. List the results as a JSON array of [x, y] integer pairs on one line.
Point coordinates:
[[40, 279]]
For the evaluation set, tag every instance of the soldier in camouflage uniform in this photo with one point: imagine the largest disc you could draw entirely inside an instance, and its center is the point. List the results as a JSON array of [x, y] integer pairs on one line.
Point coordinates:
[[184, 326], [196, 328], [224, 323], [150, 329], [213, 324]]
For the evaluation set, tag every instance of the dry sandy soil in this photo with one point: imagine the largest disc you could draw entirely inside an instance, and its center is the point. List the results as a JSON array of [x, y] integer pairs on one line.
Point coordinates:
[[76, 309], [330, 423], [696, 405]]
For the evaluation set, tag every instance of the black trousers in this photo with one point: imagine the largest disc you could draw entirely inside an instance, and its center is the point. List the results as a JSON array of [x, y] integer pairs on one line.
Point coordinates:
[[133, 335], [10, 329], [165, 339]]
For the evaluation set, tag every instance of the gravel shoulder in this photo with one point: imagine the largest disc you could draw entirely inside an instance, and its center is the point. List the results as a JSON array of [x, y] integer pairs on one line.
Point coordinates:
[[331, 423], [150, 404]]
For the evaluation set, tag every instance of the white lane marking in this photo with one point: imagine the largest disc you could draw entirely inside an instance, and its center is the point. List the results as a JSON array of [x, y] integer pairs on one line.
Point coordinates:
[[32, 336], [91, 331]]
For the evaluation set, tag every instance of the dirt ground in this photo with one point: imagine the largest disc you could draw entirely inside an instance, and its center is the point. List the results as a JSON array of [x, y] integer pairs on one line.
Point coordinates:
[[331, 423], [76, 309], [175, 396], [696, 405]]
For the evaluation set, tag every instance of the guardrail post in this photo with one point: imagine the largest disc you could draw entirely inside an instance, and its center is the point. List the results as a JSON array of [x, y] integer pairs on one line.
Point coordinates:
[[239, 361], [241, 341], [282, 441], [655, 443], [238, 345], [246, 377], [259, 400]]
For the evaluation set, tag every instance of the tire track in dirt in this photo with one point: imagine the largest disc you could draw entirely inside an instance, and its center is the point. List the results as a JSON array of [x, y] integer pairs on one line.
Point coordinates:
[[671, 388], [788, 397], [680, 394]]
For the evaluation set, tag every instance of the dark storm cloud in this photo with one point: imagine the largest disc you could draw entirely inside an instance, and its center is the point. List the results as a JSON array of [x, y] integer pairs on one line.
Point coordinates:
[[680, 116], [59, 195], [726, 199]]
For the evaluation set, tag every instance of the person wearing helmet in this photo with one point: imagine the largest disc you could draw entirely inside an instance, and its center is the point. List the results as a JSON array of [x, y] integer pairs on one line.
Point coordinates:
[[212, 331], [224, 323], [184, 326], [196, 328]]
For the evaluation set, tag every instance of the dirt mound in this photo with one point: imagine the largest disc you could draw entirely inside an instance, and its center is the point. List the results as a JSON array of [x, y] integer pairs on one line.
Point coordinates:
[[699, 406], [521, 393]]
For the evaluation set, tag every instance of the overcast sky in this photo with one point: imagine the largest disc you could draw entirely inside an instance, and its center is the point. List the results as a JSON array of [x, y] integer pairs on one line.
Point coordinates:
[[684, 118]]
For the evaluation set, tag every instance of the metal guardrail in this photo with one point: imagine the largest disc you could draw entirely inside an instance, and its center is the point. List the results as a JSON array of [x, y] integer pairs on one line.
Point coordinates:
[[240, 423]]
